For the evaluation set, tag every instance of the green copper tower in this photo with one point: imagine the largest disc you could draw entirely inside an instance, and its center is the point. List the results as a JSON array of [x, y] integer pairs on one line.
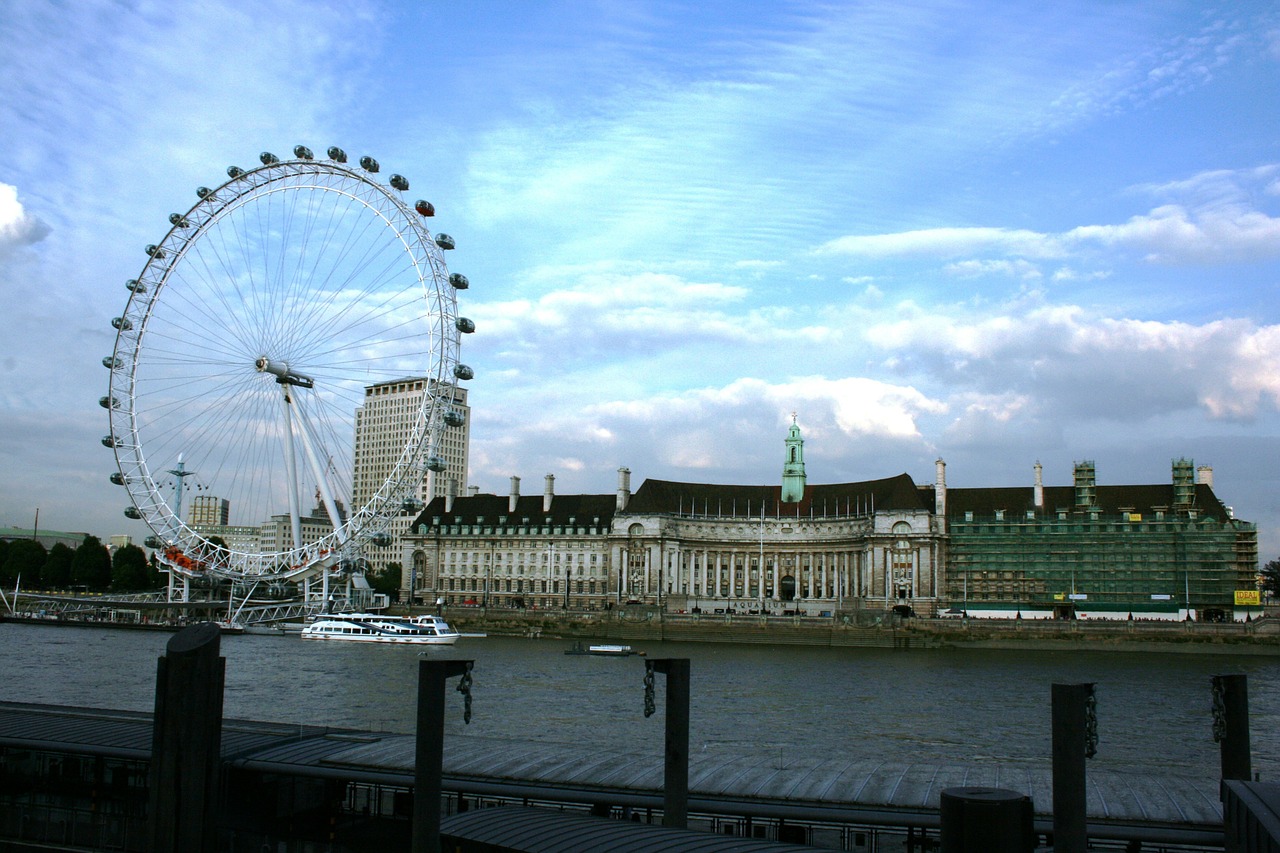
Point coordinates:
[[793, 468]]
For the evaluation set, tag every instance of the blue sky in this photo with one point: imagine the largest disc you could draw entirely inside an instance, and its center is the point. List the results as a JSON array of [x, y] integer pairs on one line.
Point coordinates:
[[995, 233]]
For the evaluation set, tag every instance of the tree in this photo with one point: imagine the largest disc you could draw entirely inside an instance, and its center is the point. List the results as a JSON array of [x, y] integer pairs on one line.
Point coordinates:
[[129, 570], [386, 581], [26, 556], [56, 571], [1270, 575], [91, 565]]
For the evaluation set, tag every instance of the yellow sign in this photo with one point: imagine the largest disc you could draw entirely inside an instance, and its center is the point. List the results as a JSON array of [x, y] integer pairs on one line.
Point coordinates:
[[1135, 516], [1248, 597], [1059, 596]]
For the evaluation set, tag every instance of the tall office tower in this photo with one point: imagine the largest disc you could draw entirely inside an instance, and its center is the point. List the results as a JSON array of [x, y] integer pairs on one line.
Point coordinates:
[[209, 511], [383, 425]]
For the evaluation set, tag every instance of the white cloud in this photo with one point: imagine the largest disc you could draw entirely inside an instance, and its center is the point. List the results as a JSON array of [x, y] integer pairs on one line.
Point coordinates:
[[1171, 234], [1076, 363], [947, 242], [17, 227], [1020, 269], [1213, 219]]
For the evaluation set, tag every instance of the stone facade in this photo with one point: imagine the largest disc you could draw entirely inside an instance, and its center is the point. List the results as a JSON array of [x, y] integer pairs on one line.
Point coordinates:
[[872, 545]]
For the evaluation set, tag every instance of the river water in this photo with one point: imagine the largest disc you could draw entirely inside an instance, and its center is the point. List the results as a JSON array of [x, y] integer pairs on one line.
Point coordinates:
[[793, 701]]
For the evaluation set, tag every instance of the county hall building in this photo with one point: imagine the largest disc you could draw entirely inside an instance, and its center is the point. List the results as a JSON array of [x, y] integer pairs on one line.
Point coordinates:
[[1166, 551]]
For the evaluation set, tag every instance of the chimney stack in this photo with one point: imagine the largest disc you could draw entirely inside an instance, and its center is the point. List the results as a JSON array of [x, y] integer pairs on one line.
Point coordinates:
[[624, 488], [1204, 475], [450, 492], [940, 488], [548, 492], [515, 495], [1039, 487]]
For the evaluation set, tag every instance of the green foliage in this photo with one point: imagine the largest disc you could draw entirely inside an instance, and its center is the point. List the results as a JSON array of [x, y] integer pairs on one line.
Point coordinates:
[[386, 581], [91, 565], [56, 571], [1270, 574], [26, 557], [129, 570]]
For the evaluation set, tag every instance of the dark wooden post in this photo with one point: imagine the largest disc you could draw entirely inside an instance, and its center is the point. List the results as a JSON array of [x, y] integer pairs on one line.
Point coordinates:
[[1071, 746], [1231, 725], [186, 743], [433, 676], [675, 791]]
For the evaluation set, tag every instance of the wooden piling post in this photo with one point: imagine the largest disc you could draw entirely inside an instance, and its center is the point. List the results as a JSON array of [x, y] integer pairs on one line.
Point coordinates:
[[675, 790], [186, 743], [433, 676], [1072, 744], [1231, 725]]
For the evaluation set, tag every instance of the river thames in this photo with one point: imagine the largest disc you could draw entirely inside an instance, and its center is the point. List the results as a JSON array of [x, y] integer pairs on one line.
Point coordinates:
[[983, 706]]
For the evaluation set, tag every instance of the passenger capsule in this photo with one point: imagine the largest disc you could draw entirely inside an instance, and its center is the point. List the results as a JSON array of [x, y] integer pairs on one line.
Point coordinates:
[[302, 152], [204, 192], [444, 241], [108, 402], [132, 512], [400, 183], [464, 325], [410, 505], [111, 362], [135, 286], [459, 281], [122, 323], [109, 441], [463, 372], [268, 159], [380, 540], [337, 155], [368, 163], [454, 418], [155, 251], [234, 171], [424, 207], [153, 542], [178, 220], [435, 463]]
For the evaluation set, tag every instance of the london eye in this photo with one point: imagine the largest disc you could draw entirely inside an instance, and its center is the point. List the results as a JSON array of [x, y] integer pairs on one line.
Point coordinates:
[[245, 349]]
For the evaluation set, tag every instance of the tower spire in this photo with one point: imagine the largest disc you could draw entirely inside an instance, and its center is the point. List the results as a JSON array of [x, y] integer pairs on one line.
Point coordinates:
[[793, 480]]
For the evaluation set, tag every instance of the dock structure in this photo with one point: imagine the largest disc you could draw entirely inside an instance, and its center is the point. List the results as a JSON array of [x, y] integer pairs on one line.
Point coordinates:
[[185, 779], [73, 773]]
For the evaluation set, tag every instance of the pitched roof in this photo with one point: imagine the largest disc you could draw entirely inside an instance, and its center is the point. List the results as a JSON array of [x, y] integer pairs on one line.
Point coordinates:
[[466, 510], [666, 496], [1110, 499]]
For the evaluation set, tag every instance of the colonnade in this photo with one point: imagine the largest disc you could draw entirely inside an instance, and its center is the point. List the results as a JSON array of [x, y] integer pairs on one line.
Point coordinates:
[[735, 573]]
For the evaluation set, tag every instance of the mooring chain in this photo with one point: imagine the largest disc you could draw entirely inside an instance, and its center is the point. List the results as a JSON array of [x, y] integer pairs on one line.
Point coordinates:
[[649, 705], [1091, 724], [464, 687], [1219, 712]]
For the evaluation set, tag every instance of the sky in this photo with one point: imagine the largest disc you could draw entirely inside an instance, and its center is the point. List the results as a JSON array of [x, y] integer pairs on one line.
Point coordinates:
[[994, 233]]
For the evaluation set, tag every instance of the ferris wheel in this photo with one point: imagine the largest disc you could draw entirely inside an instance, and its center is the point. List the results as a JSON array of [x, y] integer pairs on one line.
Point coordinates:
[[244, 354]]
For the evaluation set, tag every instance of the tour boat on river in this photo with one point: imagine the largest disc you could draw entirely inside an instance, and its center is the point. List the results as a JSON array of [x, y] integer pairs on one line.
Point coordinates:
[[375, 628]]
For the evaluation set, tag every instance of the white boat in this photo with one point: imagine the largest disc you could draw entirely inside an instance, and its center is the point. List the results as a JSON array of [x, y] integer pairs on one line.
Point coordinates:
[[605, 649], [375, 628]]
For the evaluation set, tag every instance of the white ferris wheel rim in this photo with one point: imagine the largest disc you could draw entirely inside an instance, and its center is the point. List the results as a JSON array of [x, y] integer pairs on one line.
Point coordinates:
[[300, 282]]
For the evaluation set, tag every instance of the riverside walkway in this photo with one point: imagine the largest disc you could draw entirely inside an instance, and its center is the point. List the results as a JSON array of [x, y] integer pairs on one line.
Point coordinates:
[[834, 804]]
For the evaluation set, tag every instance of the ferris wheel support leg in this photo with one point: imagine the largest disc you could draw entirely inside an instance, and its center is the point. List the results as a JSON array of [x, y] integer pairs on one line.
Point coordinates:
[[291, 464], [322, 483]]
